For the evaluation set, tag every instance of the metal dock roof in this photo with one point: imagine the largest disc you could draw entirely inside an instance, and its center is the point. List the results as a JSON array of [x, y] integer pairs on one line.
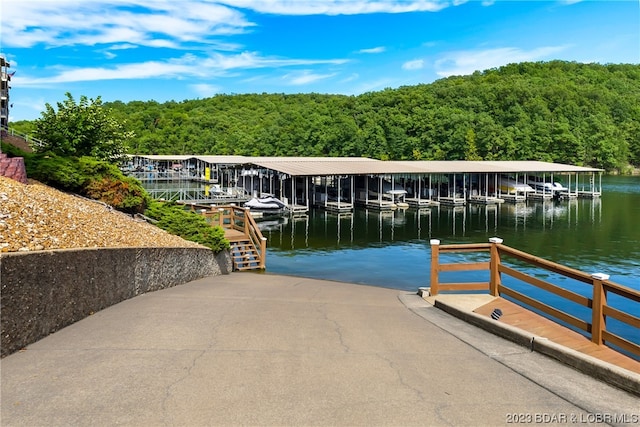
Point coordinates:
[[326, 166]]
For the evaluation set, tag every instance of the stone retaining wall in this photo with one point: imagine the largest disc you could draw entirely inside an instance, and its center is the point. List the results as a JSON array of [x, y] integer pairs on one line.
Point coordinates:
[[43, 292], [13, 167]]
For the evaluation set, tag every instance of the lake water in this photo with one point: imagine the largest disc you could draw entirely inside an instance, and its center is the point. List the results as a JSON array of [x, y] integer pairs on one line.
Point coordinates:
[[392, 249]]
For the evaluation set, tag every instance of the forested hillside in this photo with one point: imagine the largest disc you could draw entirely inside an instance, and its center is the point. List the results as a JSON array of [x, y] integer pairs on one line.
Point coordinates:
[[582, 114]]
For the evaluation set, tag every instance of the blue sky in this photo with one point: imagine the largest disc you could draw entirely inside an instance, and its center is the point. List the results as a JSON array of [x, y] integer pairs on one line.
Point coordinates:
[[187, 49]]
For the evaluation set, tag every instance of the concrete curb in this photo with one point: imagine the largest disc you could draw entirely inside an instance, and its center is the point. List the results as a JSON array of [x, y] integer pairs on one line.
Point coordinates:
[[611, 374]]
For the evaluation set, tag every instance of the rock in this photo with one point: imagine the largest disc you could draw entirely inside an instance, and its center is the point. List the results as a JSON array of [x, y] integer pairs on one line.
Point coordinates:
[[65, 222]]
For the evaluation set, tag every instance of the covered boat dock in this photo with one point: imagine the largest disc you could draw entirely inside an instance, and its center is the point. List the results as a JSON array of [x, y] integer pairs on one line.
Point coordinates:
[[338, 184]]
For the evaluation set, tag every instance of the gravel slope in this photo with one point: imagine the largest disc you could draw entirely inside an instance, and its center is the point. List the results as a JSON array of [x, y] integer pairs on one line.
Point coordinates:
[[36, 217]]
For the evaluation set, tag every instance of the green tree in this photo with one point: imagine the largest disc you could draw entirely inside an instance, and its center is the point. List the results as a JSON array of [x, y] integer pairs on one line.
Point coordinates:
[[472, 149], [584, 114], [83, 129]]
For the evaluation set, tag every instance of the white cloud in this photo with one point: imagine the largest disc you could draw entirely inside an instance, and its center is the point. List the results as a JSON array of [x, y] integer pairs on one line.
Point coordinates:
[[188, 65], [378, 49], [416, 64], [247, 60], [90, 22], [305, 77], [122, 46], [338, 7], [127, 71], [467, 62]]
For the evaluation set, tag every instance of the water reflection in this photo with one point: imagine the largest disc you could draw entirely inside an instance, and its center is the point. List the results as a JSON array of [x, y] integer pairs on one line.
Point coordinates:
[[391, 248], [365, 226]]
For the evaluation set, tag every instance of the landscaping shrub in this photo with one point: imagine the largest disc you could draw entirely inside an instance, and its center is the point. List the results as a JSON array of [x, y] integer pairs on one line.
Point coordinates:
[[189, 225], [85, 176]]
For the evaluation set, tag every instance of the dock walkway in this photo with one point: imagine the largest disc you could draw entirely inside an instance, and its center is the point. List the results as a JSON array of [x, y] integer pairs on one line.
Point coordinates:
[[264, 349], [524, 326], [519, 317]]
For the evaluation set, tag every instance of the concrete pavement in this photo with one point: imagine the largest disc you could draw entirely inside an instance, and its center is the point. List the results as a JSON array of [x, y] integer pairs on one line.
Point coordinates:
[[262, 349]]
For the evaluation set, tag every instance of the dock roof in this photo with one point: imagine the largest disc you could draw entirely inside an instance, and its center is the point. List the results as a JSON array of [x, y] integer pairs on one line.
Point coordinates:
[[326, 166], [319, 166], [494, 166]]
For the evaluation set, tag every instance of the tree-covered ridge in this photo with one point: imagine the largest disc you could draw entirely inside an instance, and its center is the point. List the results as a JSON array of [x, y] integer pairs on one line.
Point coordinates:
[[582, 114]]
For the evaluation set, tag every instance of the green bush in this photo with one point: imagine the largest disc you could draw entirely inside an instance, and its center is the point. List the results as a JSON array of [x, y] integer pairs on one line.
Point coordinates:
[[188, 225], [123, 194], [62, 173], [85, 176], [12, 150]]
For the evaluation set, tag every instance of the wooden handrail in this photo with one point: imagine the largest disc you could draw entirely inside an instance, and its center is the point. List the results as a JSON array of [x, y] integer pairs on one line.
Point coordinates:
[[466, 247], [547, 265], [597, 303], [237, 218], [240, 219]]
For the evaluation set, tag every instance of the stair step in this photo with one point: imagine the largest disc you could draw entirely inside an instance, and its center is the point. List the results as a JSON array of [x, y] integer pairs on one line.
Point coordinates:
[[245, 255]]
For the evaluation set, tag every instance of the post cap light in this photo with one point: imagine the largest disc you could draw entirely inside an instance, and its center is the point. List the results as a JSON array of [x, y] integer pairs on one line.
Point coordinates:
[[495, 240], [434, 242], [600, 276]]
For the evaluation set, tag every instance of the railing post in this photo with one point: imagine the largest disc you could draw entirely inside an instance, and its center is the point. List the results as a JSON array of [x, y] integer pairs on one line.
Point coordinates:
[[220, 217], [232, 217], [494, 273], [598, 320], [435, 265], [263, 252]]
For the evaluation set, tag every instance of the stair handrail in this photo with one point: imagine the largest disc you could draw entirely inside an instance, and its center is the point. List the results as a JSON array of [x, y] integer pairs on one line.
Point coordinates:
[[240, 219], [252, 229]]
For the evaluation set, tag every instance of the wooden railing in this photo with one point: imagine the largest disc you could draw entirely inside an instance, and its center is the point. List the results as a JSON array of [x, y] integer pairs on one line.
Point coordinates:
[[237, 218], [597, 303]]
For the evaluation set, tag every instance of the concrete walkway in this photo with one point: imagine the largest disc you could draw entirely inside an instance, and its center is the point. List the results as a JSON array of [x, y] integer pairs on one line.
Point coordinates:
[[262, 349]]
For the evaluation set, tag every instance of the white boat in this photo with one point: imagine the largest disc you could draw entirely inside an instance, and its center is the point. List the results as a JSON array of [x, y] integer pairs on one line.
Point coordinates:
[[509, 185], [265, 204], [539, 184]]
